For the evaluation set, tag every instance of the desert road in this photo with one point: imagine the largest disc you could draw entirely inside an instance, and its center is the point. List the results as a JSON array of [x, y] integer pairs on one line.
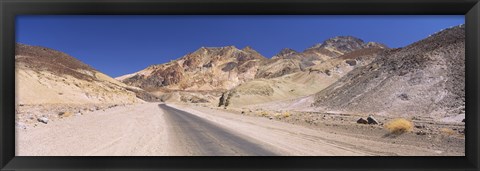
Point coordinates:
[[197, 136], [153, 129]]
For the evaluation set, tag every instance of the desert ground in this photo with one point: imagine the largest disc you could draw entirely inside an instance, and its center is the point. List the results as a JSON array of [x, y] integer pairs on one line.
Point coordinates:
[[159, 129]]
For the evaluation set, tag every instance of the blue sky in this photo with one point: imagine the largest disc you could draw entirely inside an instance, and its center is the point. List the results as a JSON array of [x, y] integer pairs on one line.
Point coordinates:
[[118, 45]]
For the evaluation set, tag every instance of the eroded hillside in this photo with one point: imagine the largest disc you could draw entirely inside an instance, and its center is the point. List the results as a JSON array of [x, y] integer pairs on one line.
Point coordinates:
[[287, 75], [46, 76], [205, 69], [426, 78]]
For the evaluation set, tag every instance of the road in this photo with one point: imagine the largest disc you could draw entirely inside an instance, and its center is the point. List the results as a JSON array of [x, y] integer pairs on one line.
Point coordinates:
[[197, 136], [153, 129]]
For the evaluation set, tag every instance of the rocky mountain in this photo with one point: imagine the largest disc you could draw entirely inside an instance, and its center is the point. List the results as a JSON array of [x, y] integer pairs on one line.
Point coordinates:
[[289, 61], [223, 68], [341, 45], [426, 78], [47, 76], [284, 53], [307, 81], [208, 68]]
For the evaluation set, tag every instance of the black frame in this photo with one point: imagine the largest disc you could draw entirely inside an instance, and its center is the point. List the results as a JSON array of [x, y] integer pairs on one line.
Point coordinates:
[[10, 8]]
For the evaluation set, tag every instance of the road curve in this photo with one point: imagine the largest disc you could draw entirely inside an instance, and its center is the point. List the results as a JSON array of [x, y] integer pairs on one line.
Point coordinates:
[[196, 136]]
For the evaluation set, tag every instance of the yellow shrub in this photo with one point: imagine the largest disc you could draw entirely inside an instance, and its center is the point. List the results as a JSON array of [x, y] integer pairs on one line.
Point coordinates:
[[65, 114], [286, 115], [398, 126], [447, 131], [264, 114]]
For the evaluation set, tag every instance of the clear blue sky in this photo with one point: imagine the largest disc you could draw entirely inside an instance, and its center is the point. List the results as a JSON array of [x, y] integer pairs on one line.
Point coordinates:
[[118, 45]]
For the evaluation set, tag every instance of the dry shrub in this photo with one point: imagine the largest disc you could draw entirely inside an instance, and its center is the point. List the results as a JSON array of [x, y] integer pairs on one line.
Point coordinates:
[[399, 126], [264, 114], [65, 114], [282, 115], [447, 131]]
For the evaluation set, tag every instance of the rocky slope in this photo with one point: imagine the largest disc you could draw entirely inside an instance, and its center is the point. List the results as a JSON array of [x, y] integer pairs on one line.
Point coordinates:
[[217, 68], [47, 76], [223, 68], [304, 82], [289, 61], [426, 78], [245, 71]]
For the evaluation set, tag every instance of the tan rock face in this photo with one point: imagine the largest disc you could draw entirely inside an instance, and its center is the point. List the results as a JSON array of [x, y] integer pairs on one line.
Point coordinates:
[[205, 69], [46, 76]]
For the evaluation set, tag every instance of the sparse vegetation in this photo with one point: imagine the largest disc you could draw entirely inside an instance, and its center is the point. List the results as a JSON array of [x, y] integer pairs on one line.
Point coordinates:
[[264, 114], [447, 131], [65, 114], [278, 115], [399, 126]]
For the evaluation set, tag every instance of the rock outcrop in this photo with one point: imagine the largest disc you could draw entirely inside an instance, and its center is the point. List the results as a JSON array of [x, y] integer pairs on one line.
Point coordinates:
[[217, 68], [426, 78]]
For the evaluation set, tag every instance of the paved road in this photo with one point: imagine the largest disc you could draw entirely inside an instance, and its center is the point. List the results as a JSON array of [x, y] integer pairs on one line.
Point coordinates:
[[197, 136]]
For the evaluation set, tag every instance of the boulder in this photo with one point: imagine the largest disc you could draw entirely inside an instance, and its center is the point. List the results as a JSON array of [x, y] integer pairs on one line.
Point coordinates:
[[351, 62], [43, 120], [20, 125], [372, 120], [362, 121]]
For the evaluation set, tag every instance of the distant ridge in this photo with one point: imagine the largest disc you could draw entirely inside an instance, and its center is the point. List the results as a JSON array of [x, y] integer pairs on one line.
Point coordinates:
[[222, 68]]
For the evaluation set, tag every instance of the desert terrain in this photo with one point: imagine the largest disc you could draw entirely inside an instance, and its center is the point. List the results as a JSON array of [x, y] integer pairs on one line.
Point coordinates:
[[340, 97], [158, 129]]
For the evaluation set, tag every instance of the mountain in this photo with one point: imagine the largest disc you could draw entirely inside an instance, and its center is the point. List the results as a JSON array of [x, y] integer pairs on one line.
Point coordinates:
[[307, 81], [223, 68], [208, 68], [47, 76], [340, 45], [284, 53], [426, 78], [289, 61]]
